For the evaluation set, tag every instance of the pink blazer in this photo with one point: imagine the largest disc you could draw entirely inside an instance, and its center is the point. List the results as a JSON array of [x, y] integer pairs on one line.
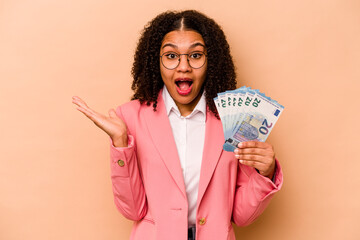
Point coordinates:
[[149, 189]]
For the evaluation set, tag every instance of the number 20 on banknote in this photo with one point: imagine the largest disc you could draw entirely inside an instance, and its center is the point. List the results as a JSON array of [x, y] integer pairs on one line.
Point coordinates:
[[246, 115]]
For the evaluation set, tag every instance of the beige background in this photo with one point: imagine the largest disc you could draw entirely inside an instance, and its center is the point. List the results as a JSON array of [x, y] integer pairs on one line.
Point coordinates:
[[54, 163]]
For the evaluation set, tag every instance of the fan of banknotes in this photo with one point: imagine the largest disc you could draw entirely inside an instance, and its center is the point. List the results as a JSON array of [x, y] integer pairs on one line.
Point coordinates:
[[246, 115]]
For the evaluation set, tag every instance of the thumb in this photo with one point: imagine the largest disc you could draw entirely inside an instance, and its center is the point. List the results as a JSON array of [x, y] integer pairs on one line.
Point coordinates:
[[112, 113]]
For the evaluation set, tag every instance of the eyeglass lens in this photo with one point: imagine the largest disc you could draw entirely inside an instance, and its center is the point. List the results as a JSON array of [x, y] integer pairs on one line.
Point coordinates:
[[171, 60]]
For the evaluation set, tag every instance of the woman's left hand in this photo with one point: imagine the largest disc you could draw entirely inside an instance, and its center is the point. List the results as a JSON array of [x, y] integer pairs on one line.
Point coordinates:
[[259, 155]]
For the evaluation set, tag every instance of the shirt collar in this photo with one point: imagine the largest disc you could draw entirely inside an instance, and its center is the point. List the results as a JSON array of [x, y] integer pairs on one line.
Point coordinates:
[[171, 106]]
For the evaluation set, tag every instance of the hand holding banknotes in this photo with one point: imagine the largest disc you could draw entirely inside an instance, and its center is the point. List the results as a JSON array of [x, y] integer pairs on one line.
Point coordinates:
[[248, 116], [112, 124], [259, 155]]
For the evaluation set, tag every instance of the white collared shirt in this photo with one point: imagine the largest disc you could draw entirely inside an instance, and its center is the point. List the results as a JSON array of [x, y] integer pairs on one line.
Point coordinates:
[[189, 135]]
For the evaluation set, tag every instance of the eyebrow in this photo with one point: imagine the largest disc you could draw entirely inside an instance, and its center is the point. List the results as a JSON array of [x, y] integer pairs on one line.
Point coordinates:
[[191, 46]]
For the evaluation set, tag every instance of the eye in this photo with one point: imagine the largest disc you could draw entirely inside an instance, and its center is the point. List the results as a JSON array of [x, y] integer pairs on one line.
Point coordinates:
[[171, 55], [196, 55]]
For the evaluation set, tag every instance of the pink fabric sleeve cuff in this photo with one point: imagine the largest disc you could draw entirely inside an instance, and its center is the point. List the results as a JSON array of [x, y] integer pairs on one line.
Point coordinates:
[[124, 153]]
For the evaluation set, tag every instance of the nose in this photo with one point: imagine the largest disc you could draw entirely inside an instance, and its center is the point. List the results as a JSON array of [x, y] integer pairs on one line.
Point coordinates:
[[184, 65]]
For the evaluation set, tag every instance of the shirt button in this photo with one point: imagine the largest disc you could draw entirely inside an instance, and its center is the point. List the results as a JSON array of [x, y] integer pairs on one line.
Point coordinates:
[[121, 163], [202, 221]]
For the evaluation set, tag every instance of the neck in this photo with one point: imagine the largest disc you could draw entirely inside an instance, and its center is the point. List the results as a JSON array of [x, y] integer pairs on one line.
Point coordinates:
[[186, 109]]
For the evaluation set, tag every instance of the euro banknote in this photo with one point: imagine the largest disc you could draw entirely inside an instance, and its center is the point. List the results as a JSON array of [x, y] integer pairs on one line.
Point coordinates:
[[246, 115]]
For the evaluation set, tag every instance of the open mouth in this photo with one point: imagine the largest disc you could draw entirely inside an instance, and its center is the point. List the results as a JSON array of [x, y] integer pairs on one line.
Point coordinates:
[[184, 85]]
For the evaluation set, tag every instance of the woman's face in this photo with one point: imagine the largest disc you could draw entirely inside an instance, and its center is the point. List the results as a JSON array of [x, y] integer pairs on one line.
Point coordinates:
[[184, 83]]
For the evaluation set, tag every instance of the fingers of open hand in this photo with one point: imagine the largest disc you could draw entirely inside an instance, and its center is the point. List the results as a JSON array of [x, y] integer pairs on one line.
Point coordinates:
[[78, 101], [86, 110]]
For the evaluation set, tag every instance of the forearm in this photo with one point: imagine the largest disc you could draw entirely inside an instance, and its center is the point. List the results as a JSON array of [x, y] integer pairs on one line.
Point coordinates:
[[253, 194], [128, 189]]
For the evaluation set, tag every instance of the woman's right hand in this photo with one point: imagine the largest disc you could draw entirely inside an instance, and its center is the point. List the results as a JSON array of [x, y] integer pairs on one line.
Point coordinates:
[[112, 124]]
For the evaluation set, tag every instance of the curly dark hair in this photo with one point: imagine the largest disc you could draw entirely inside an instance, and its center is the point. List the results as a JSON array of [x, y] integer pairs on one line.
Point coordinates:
[[220, 75]]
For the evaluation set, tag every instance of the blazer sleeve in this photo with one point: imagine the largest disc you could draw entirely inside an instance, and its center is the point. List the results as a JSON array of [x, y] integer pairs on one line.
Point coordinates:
[[253, 193], [127, 185]]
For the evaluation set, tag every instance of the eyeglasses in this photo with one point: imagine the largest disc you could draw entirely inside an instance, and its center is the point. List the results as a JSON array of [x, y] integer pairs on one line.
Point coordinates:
[[171, 60]]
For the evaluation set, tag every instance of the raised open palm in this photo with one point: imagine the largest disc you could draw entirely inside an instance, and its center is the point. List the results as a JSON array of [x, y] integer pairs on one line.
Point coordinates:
[[112, 124]]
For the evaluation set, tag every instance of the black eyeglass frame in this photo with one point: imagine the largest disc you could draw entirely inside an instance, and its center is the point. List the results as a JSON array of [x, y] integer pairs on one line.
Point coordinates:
[[187, 58]]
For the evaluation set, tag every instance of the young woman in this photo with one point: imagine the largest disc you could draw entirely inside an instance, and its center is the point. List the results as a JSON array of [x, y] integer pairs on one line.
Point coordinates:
[[169, 172]]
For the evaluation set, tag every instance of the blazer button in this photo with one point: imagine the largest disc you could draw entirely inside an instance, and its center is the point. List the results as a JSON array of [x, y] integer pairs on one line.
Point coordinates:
[[121, 163], [202, 221]]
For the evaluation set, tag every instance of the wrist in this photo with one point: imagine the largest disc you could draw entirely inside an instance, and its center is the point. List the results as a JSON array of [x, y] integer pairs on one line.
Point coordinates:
[[120, 141], [272, 173]]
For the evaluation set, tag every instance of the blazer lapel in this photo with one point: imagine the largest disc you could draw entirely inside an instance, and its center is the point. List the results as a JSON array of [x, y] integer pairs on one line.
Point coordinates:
[[161, 133], [214, 140]]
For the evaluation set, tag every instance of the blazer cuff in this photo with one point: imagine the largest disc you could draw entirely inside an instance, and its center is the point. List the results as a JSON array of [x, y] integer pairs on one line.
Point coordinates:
[[277, 180], [121, 157]]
